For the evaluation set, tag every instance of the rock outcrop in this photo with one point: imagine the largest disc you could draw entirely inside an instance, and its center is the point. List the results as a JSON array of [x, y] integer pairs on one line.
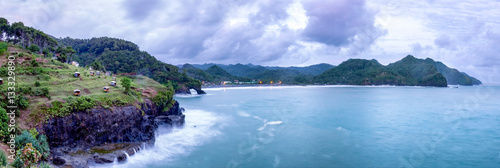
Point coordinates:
[[187, 90], [71, 138]]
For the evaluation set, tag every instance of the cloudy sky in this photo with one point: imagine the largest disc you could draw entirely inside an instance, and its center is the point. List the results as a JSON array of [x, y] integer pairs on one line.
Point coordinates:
[[464, 34]]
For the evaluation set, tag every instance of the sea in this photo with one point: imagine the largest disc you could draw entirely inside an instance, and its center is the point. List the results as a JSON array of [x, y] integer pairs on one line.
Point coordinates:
[[331, 126]]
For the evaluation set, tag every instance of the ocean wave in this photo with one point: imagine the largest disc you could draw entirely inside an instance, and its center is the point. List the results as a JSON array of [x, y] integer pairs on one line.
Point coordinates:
[[188, 95], [270, 123], [172, 143]]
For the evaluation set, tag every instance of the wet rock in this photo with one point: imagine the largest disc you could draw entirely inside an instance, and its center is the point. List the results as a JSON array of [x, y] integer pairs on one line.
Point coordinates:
[[72, 137], [58, 161], [104, 159]]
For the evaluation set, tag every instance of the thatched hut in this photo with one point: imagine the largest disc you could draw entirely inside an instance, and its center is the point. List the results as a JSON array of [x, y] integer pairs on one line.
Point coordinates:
[[106, 89], [77, 92]]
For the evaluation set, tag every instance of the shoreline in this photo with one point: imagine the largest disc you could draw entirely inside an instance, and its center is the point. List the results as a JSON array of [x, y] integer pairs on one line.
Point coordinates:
[[218, 87]]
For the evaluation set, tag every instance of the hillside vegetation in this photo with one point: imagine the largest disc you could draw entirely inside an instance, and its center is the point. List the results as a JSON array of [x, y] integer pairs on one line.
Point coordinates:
[[121, 56], [409, 71], [42, 82], [455, 77]]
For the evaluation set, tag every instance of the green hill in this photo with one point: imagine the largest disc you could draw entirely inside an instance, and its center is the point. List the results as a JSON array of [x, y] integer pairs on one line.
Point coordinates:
[[311, 70], [220, 75], [418, 72], [196, 73], [286, 76], [121, 56], [454, 77], [218, 71], [359, 72], [409, 71]]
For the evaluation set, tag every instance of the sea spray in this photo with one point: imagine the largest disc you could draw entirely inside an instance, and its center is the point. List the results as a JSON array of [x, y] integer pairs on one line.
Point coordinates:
[[175, 142], [126, 154]]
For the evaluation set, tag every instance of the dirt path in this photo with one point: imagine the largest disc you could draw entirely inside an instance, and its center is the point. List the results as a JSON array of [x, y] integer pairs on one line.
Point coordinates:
[[86, 91]]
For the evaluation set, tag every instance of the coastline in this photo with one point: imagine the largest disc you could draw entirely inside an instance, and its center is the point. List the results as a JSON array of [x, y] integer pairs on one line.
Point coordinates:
[[219, 87]]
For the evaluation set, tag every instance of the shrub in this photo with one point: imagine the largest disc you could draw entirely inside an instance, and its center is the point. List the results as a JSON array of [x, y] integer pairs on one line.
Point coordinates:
[[44, 77], [22, 102], [29, 155], [41, 92], [3, 159], [34, 48], [18, 163], [25, 90], [79, 104], [37, 84], [3, 47], [44, 146], [3, 123], [45, 92], [126, 82], [34, 63], [44, 165], [164, 99], [33, 132], [40, 144], [25, 138]]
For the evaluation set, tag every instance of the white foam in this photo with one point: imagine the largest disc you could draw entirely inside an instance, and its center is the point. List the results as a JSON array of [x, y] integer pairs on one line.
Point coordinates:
[[187, 95], [227, 105], [200, 127], [243, 114], [276, 161], [269, 123]]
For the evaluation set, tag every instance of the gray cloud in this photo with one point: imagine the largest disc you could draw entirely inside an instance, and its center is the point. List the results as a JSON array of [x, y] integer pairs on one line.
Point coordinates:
[[139, 10], [338, 23], [444, 41], [418, 49]]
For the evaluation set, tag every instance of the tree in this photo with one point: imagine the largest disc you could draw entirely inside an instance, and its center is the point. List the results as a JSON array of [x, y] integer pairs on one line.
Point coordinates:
[[62, 57], [97, 66], [4, 27], [34, 48], [126, 82]]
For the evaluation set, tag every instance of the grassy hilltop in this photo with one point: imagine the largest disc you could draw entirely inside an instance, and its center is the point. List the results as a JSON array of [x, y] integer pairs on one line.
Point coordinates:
[[42, 81]]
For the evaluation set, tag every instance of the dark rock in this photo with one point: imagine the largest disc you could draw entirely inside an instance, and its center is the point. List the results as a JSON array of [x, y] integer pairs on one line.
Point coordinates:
[[122, 157], [104, 159], [115, 125], [182, 91], [58, 161], [72, 137], [187, 90]]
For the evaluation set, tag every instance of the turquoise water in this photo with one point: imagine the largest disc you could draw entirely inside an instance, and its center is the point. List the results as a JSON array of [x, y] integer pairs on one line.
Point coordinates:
[[338, 126]]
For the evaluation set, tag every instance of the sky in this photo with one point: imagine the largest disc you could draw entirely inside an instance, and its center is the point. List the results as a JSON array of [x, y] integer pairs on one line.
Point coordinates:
[[463, 34]]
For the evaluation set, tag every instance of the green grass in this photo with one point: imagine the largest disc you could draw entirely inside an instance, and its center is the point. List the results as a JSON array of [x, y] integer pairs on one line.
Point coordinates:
[[58, 78]]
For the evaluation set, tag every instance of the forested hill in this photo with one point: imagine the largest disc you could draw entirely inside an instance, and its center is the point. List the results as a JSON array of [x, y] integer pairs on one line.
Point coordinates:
[[121, 56], [249, 70], [409, 71], [103, 53]]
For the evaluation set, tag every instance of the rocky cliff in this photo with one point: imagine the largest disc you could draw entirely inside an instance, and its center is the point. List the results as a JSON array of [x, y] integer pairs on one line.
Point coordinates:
[[82, 131]]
